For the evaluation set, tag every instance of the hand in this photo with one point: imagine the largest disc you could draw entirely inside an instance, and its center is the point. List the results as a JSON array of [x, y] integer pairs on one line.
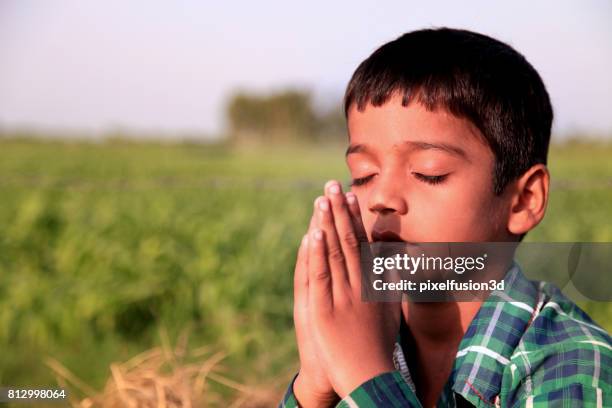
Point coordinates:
[[354, 339], [311, 387]]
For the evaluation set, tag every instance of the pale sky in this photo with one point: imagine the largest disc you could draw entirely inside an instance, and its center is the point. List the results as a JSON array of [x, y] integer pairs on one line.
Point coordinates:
[[169, 66]]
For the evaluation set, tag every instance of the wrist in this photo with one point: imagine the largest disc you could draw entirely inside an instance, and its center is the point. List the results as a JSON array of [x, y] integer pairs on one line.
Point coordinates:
[[308, 396], [350, 382]]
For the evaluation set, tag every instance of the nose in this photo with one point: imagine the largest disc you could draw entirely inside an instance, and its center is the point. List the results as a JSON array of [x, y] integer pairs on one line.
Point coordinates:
[[386, 195]]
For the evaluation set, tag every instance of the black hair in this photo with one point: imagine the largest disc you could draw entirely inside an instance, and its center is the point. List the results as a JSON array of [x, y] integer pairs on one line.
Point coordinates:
[[471, 75]]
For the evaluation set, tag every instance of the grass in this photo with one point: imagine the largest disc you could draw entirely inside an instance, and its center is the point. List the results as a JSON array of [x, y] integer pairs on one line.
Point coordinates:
[[104, 244]]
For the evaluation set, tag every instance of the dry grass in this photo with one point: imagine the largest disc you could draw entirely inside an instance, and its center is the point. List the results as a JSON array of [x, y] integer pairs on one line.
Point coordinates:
[[165, 377]]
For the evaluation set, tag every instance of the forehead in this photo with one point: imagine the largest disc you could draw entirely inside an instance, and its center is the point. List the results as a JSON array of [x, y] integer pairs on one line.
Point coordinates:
[[392, 126]]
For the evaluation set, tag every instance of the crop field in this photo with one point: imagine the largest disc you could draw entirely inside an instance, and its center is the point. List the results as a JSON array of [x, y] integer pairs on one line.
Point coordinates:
[[110, 249]]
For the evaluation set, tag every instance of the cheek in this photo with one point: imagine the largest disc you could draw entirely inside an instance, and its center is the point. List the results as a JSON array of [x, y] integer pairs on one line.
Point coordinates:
[[461, 213]]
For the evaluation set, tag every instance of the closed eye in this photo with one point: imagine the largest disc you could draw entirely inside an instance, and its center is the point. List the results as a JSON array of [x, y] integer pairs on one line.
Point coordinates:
[[430, 179], [361, 181]]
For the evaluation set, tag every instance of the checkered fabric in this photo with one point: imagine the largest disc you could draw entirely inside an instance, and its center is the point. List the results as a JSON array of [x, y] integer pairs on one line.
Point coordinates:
[[528, 346]]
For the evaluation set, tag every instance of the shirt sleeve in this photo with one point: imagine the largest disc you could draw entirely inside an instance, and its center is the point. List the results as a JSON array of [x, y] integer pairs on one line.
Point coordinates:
[[387, 390], [289, 400]]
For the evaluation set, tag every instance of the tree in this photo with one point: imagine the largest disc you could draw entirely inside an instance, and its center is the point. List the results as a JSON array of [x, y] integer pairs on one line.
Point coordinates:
[[282, 116]]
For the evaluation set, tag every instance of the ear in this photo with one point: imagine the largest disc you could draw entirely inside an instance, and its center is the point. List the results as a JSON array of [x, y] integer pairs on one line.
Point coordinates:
[[529, 200]]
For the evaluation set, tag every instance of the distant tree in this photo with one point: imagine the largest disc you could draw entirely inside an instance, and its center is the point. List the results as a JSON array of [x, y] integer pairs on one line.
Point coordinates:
[[283, 116]]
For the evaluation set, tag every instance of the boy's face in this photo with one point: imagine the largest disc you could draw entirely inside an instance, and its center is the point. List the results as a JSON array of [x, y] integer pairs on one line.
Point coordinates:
[[425, 176]]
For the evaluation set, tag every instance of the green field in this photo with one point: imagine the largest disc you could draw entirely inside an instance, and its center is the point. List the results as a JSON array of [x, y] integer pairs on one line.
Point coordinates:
[[103, 244]]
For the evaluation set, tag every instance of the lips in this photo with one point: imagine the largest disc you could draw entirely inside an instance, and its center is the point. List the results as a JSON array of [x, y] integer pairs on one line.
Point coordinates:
[[386, 236]]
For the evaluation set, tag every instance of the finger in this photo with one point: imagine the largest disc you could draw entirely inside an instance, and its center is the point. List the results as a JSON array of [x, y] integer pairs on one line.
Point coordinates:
[[355, 212], [319, 276], [362, 238], [335, 255], [300, 276], [313, 223], [300, 281], [344, 226]]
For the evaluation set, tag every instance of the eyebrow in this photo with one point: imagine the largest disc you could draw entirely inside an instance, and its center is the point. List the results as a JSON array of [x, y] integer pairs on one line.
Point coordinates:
[[356, 148], [451, 149], [414, 145]]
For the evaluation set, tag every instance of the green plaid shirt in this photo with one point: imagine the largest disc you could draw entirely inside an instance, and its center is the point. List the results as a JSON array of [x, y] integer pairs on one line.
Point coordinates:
[[528, 346]]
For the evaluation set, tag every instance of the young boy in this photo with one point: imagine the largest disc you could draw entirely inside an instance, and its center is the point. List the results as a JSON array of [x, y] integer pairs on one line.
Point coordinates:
[[449, 134]]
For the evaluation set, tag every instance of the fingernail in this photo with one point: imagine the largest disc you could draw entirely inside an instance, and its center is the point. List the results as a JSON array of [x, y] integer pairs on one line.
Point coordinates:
[[350, 198], [334, 188], [317, 234], [323, 204]]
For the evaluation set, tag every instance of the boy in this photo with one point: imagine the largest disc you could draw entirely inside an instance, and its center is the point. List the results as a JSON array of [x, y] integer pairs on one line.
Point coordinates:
[[449, 133]]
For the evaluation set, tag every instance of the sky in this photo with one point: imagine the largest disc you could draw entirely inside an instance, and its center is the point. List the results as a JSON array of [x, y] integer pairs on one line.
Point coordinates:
[[170, 66]]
